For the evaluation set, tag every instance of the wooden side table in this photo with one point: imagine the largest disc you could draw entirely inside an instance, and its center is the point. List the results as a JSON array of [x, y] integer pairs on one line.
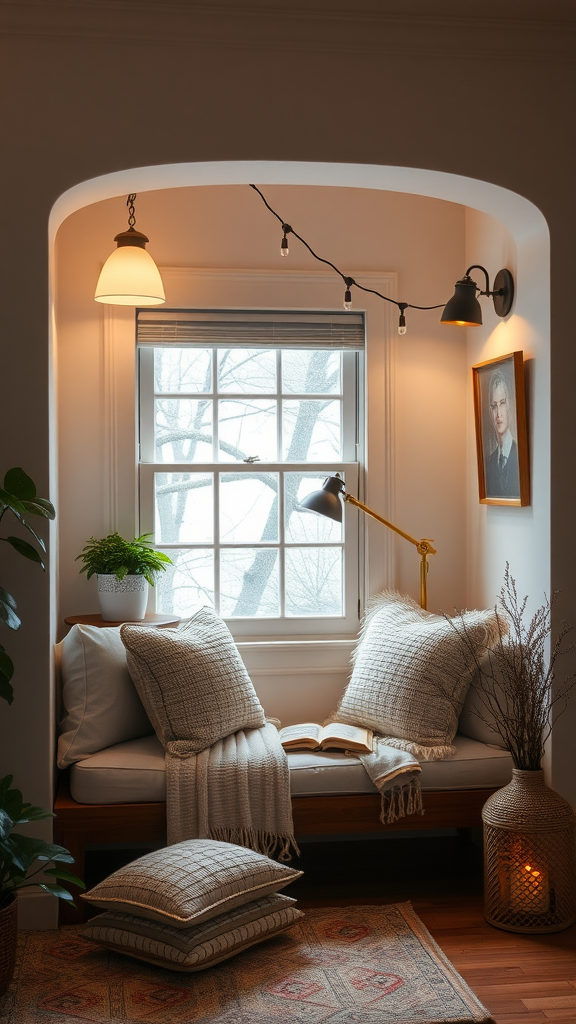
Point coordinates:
[[150, 619]]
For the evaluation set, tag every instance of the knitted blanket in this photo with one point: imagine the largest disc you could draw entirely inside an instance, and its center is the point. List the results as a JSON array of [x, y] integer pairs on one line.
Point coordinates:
[[395, 773], [236, 791]]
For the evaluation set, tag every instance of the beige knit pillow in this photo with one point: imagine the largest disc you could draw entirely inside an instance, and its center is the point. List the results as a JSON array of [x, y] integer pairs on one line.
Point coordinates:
[[192, 682], [198, 947], [411, 673], [191, 882]]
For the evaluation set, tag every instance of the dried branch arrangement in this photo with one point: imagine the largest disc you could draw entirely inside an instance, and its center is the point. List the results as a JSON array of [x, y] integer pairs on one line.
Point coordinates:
[[517, 692]]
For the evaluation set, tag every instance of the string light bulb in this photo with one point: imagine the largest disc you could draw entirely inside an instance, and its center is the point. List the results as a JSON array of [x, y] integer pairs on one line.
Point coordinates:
[[348, 281], [402, 319], [284, 250]]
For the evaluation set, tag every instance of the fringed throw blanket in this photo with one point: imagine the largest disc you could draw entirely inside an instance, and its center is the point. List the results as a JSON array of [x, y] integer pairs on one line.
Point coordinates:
[[396, 774], [237, 791]]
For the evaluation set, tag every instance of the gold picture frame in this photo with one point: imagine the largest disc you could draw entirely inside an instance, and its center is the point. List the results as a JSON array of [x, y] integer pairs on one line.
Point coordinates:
[[501, 431]]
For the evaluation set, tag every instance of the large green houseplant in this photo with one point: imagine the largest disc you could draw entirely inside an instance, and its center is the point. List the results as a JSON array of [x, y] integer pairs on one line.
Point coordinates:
[[20, 853], [124, 568]]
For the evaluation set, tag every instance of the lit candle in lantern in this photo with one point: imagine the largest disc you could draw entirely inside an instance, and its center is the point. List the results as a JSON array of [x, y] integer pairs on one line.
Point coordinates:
[[529, 892]]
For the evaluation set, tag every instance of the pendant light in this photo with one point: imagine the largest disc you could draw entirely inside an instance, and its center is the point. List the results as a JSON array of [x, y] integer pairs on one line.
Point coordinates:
[[130, 277]]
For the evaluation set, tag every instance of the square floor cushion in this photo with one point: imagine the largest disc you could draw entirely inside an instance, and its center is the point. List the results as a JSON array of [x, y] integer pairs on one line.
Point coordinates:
[[190, 882], [197, 947]]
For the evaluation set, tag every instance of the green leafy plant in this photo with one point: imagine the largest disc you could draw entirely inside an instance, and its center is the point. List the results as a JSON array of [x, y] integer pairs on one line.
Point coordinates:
[[18, 498], [114, 556], [19, 853]]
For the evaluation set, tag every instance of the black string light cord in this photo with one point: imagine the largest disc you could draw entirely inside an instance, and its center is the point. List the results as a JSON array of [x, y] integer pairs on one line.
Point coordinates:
[[287, 229]]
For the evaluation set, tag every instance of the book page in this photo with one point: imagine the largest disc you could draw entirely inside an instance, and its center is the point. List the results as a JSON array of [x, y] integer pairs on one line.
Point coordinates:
[[307, 731], [352, 734]]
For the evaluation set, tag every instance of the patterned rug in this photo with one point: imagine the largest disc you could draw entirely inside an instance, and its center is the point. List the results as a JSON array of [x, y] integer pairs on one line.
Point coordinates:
[[349, 965]]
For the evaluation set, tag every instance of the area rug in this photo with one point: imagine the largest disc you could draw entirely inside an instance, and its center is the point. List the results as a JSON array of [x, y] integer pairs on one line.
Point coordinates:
[[348, 965]]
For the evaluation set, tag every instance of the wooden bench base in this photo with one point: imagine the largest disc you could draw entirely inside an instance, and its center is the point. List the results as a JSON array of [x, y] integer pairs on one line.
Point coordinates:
[[77, 826]]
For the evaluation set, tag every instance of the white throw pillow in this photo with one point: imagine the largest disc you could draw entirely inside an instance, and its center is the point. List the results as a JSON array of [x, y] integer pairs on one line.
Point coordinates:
[[411, 673], [100, 704], [192, 681]]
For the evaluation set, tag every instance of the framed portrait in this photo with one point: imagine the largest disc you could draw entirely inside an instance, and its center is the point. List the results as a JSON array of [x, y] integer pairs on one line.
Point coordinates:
[[501, 431]]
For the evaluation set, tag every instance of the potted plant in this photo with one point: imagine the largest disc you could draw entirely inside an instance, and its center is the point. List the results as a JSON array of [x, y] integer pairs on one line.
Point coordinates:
[[18, 853], [529, 853], [124, 569]]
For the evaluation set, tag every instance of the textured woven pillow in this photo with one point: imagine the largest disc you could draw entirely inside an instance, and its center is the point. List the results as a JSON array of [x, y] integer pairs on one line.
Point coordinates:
[[411, 674], [198, 947], [191, 882], [100, 704], [192, 682]]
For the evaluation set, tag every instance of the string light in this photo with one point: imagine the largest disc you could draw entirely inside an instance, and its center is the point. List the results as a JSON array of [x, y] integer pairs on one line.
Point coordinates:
[[349, 282]]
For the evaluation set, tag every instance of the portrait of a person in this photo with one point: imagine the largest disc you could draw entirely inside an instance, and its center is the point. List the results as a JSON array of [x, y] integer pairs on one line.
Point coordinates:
[[502, 471]]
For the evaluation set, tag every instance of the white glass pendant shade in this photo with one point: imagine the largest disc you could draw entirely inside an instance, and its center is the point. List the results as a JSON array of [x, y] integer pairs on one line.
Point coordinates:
[[130, 278]]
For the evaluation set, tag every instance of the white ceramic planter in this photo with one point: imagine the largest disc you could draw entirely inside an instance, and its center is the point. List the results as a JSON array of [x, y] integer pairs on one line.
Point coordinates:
[[122, 600]]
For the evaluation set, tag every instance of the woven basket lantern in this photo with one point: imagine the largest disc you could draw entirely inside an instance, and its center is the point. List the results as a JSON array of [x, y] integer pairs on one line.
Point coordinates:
[[529, 857]]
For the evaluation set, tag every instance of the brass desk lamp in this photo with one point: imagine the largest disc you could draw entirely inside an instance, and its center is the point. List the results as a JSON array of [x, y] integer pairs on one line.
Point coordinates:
[[327, 502]]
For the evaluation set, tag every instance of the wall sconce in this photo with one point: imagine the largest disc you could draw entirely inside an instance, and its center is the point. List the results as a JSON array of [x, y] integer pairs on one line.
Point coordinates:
[[328, 502], [130, 276], [464, 308]]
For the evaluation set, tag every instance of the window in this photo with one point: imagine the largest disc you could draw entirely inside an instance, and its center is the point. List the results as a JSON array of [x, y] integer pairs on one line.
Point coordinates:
[[241, 415]]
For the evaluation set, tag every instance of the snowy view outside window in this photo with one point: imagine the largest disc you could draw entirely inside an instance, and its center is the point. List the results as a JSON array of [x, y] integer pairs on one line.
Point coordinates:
[[233, 438]]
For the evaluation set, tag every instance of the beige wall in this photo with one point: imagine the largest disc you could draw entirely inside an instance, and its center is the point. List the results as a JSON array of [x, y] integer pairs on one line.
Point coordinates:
[[94, 89]]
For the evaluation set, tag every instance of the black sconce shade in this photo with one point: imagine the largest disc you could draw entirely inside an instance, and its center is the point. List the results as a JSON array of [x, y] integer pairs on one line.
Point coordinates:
[[326, 502]]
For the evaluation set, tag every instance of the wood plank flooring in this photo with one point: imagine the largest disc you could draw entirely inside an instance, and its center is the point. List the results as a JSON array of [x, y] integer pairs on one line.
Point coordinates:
[[521, 979]]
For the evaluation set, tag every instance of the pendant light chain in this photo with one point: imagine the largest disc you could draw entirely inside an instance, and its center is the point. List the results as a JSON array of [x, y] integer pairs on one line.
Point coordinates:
[[349, 282], [131, 212]]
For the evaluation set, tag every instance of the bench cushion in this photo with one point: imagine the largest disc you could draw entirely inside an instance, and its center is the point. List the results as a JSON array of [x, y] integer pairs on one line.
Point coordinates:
[[133, 772]]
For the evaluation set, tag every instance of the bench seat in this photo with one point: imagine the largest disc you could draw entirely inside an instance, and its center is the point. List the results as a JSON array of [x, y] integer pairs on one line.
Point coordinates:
[[133, 772]]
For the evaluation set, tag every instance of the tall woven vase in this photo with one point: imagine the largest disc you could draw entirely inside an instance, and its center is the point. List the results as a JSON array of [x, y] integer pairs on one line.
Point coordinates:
[[529, 857], [8, 933]]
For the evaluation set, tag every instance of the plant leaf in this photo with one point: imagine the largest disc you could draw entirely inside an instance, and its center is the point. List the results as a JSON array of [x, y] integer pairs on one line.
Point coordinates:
[[18, 482], [7, 612], [66, 875], [40, 507], [30, 813], [5, 784], [26, 549], [12, 502], [56, 853], [57, 890], [6, 824], [6, 691]]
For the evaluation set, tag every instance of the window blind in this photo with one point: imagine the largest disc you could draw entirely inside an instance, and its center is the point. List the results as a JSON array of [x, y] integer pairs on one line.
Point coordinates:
[[251, 329]]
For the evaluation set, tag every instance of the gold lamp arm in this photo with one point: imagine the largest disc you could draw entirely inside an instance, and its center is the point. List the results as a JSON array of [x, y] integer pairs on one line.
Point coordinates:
[[423, 547]]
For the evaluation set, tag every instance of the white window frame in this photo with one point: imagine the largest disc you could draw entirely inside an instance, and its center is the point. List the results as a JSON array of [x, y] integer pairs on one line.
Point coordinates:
[[349, 467]]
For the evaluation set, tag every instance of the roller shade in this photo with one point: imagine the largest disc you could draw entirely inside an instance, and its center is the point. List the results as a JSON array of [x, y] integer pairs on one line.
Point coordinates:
[[247, 329]]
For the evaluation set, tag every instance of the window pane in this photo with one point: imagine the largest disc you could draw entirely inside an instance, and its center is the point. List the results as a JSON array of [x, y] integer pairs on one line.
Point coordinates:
[[311, 431], [247, 427], [184, 508], [188, 584], [314, 581], [248, 507], [311, 373], [247, 370], [182, 370], [249, 582], [183, 430], [303, 526]]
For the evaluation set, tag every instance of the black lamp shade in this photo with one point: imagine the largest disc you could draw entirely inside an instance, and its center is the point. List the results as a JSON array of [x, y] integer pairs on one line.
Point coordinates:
[[463, 308], [326, 502]]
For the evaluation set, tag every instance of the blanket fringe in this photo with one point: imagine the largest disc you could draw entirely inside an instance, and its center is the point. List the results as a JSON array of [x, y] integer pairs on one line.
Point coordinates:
[[424, 752], [278, 847], [400, 801]]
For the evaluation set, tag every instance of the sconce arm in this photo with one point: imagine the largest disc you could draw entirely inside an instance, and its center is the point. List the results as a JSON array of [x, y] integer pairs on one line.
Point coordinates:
[[424, 546]]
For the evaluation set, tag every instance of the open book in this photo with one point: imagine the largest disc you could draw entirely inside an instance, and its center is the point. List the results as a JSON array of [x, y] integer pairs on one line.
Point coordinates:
[[335, 736]]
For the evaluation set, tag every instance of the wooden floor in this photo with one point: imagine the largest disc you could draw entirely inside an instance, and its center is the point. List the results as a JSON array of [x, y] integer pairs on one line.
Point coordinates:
[[521, 979]]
